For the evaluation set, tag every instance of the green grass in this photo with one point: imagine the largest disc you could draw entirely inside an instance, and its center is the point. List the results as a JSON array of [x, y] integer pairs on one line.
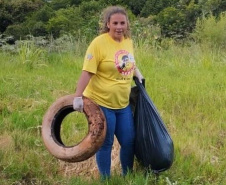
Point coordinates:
[[186, 83]]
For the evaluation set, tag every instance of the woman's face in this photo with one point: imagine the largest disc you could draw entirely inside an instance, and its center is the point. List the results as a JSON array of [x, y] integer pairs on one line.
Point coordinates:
[[117, 26]]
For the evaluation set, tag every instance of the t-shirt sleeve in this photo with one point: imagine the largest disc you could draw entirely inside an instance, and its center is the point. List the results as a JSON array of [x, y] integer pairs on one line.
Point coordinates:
[[92, 58]]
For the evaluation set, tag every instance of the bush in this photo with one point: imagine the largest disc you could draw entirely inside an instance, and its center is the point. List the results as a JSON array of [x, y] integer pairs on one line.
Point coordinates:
[[145, 32], [5, 16], [153, 7], [39, 29], [43, 14], [76, 20], [172, 22], [63, 21], [211, 30], [21, 9], [17, 30]]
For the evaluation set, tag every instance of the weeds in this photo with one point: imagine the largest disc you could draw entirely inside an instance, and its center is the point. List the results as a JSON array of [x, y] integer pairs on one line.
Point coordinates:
[[30, 55], [187, 84], [211, 31]]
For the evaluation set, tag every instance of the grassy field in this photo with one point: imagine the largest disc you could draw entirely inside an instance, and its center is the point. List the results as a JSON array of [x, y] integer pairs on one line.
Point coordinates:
[[187, 83]]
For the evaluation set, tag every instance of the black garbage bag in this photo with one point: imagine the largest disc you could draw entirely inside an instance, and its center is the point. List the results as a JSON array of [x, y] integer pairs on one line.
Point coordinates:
[[153, 145]]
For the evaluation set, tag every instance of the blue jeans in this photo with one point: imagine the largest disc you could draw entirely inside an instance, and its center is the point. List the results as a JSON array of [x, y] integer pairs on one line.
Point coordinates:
[[119, 123]]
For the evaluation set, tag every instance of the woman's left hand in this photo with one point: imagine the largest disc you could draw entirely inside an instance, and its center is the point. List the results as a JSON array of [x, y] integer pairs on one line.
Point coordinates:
[[138, 74]]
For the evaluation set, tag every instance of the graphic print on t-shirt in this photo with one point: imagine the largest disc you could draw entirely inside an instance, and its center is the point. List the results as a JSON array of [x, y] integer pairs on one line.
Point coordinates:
[[124, 62]]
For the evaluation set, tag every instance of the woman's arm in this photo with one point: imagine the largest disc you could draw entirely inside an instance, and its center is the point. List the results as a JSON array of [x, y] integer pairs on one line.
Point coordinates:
[[82, 83], [138, 74]]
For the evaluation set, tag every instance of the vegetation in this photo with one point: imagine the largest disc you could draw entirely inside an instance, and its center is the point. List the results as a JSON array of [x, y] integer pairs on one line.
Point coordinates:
[[176, 18], [185, 80]]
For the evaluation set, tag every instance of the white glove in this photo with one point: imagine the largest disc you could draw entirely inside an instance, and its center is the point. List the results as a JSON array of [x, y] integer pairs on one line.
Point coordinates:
[[78, 104], [138, 74]]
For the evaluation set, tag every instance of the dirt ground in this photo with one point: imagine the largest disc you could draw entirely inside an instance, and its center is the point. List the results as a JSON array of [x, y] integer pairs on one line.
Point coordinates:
[[88, 168]]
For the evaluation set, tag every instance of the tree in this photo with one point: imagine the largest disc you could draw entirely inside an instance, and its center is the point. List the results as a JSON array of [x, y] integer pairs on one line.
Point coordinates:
[[20, 9], [171, 21], [153, 7], [89, 15], [63, 21], [180, 20], [135, 6], [37, 22], [15, 12], [75, 2], [59, 4], [212, 6], [5, 16]]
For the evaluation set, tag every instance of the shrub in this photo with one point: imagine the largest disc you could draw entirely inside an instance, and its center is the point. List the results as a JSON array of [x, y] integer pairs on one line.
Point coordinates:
[[17, 30], [63, 21], [211, 30], [172, 22], [153, 7]]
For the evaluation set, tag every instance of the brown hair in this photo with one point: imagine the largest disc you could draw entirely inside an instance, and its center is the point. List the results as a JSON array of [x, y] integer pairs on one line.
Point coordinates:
[[106, 15]]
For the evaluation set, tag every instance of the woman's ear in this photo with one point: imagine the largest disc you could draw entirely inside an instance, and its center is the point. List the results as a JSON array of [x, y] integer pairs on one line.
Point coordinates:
[[108, 25]]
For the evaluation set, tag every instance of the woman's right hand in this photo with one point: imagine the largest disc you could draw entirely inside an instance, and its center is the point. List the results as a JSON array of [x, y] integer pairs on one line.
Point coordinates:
[[78, 104]]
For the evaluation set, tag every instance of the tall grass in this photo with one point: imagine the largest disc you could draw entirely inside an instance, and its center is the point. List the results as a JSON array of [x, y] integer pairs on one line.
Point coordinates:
[[211, 30], [186, 82]]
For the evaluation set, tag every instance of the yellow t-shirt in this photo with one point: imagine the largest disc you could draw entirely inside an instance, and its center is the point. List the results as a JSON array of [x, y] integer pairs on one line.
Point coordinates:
[[113, 64]]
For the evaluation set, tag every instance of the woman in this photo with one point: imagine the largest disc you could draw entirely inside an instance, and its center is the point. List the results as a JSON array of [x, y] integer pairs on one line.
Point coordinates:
[[107, 73]]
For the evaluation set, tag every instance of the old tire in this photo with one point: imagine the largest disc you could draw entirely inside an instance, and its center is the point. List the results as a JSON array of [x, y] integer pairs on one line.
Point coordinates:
[[51, 130]]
